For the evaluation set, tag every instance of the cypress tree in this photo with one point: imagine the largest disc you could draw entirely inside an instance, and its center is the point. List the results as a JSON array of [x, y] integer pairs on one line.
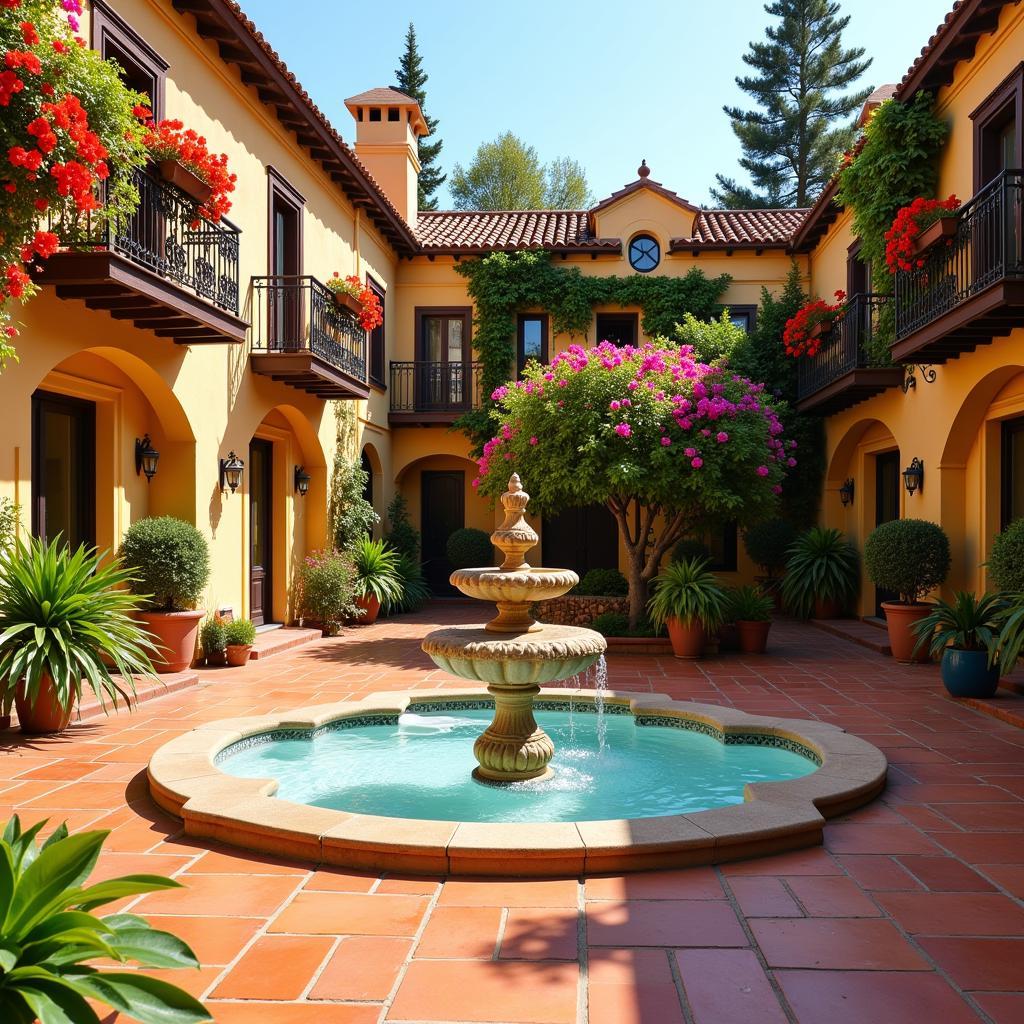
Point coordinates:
[[803, 122], [411, 78]]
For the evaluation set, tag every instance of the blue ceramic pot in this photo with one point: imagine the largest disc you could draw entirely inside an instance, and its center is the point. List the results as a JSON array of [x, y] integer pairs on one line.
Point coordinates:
[[967, 673]]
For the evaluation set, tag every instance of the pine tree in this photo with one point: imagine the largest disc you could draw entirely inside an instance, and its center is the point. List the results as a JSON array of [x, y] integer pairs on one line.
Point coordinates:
[[411, 78], [793, 140]]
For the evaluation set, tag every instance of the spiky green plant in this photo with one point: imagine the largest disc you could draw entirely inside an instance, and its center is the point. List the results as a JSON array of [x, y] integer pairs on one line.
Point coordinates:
[[748, 604], [414, 590], [970, 623], [48, 935], [687, 591], [822, 566], [1007, 647], [376, 567]]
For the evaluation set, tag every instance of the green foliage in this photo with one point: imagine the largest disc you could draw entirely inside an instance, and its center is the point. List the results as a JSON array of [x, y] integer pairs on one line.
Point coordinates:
[[768, 543], [907, 556], [748, 604], [970, 623], [239, 633], [169, 561], [349, 515], [410, 78], [212, 637], [376, 567], [822, 566], [688, 592], [10, 517], [710, 339], [690, 548], [567, 187], [403, 536], [49, 935], [326, 589], [611, 624], [802, 121], [469, 548], [1007, 648], [602, 583], [1006, 562], [67, 616], [414, 590]]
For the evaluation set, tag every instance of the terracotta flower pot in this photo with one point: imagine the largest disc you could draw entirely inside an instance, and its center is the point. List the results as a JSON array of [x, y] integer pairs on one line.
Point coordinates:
[[238, 654], [180, 176], [943, 228], [753, 636], [176, 634], [371, 609], [47, 714], [687, 639], [898, 619], [349, 302], [827, 608], [217, 658]]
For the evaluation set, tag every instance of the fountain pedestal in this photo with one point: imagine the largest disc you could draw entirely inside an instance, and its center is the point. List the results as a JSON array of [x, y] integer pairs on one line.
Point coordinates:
[[514, 654]]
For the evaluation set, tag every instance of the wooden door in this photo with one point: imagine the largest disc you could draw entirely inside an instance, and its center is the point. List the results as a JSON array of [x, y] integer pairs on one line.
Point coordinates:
[[261, 478], [887, 506], [443, 495], [581, 539]]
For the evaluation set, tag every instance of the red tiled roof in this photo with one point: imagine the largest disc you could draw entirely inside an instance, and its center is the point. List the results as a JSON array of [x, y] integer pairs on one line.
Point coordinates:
[[644, 182], [489, 230], [382, 94], [727, 228]]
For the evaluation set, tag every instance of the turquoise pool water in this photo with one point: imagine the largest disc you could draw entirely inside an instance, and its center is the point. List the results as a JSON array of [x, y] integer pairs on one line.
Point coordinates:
[[605, 767]]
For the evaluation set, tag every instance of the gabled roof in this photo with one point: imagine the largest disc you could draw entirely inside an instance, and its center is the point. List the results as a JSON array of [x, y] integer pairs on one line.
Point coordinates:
[[642, 182], [386, 96], [479, 231]]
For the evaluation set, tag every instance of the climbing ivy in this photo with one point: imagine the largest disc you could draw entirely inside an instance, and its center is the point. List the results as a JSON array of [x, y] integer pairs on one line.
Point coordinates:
[[502, 284]]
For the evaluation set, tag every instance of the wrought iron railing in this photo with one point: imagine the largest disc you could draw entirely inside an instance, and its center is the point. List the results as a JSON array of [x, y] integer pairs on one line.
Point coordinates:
[[299, 314], [986, 249], [435, 387], [167, 236], [845, 348]]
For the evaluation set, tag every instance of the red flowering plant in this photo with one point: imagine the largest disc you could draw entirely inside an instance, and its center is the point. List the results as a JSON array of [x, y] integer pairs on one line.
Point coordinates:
[[909, 223], [805, 330], [171, 140], [371, 316], [66, 126]]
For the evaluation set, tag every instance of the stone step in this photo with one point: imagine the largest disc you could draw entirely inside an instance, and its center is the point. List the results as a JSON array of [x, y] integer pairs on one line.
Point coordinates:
[[277, 641], [857, 631], [1007, 705]]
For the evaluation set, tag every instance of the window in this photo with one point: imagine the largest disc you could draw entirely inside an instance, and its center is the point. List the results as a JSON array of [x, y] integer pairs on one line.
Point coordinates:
[[618, 328], [531, 339], [377, 337], [644, 254], [1012, 471], [443, 371], [142, 68], [858, 272], [718, 544], [999, 130], [743, 316]]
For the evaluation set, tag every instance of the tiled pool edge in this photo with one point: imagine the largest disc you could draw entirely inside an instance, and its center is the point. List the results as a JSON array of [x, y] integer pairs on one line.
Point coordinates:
[[185, 780]]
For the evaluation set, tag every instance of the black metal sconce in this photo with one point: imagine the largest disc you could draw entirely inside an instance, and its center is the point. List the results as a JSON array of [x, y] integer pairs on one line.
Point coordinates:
[[913, 476], [231, 470], [302, 479], [146, 457], [846, 492]]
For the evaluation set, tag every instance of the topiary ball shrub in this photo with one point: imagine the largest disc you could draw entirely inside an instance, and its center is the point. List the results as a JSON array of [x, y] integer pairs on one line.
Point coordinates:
[[907, 556], [469, 548], [169, 560], [1006, 562], [768, 544], [602, 583]]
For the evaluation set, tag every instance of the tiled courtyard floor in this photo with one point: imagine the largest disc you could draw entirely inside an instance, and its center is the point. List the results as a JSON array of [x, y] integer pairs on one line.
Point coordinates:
[[911, 912]]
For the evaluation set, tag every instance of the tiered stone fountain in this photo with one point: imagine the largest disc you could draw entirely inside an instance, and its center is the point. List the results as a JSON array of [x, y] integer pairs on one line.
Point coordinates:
[[514, 654]]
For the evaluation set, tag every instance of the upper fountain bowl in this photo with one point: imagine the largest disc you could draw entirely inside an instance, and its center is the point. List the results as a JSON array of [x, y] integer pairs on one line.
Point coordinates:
[[518, 586]]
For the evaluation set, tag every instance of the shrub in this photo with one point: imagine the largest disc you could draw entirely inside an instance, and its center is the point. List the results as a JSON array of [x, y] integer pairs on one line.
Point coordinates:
[[768, 543], [688, 592], [326, 589], [747, 604], [469, 548], [822, 566], [602, 583], [349, 513], [413, 587], [908, 556], [10, 516], [1006, 562], [376, 568], [689, 549], [611, 624], [239, 633], [170, 562], [212, 637], [403, 537]]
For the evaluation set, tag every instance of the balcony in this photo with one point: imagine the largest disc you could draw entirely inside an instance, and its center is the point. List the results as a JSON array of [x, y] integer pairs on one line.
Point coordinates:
[[426, 393], [972, 290], [302, 337], [839, 375], [163, 268]]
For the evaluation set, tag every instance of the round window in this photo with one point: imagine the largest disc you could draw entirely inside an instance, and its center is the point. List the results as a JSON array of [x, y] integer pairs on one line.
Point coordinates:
[[644, 253]]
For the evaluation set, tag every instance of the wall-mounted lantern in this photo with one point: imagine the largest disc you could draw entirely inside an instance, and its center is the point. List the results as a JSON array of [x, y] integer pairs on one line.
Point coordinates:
[[846, 492], [146, 457], [231, 470], [913, 476], [302, 479]]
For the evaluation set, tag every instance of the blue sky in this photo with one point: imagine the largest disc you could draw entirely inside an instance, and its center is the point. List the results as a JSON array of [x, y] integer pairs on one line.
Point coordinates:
[[572, 77]]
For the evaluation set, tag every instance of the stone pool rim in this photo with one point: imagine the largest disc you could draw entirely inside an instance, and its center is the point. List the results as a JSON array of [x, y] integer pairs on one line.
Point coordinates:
[[185, 780]]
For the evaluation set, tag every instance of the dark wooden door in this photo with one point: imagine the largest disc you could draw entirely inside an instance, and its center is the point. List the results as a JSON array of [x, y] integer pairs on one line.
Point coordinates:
[[261, 479], [443, 495], [618, 328], [581, 539], [284, 295], [887, 506], [64, 469]]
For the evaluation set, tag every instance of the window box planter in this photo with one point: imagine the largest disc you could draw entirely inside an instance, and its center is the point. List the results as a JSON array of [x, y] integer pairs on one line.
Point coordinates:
[[939, 230], [345, 301], [181, 177]]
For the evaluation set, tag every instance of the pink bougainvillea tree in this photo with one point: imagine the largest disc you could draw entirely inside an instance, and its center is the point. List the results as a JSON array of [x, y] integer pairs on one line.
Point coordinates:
[[670, 444]]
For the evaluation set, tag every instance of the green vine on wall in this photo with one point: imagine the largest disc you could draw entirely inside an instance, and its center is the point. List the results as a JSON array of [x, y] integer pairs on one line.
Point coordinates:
[[503, 284], [895, 161]]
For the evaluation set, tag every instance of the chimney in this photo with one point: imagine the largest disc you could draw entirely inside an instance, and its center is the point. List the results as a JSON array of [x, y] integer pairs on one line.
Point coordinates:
[[388, 126]]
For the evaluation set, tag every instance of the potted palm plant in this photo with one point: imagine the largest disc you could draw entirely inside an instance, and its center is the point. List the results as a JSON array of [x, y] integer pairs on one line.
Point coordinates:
[[64, 617], [689, 601], [751, 609], [908, 557], [377, 578], [963, 633], [239, 635], [821, 574]]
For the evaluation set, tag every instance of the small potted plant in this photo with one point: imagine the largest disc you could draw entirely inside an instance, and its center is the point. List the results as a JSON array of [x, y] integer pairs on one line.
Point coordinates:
[[963, 634], [907, 557], [751, 610], [170, 563], [807, 328], [65, 618], [768, 543], [358, 298], [377, 578], [918, 227], [821, 574], [213, 642], [239, 636], [690, 602]]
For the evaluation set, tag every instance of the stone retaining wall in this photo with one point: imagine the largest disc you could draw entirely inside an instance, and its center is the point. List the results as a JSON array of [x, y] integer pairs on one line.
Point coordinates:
[[573, 610]]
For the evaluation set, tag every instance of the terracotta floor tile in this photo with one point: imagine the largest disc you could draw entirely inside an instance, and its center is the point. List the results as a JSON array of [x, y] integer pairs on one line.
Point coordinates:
[[214, 940], [632, 986], [222, 896], [982, 849], [727, 986], [954, 913], [878, 872], [326, 880], [688, 884], [1003, 1008], [547, 933], [460, 933], [891, 839], [762, 896], [832, 897], [292, 1013], [511, 893], [985, 817], [227, 861], [343, 913], [945, 874], [1007, 876], [802, 862], [275, 967], [992, 965], [487, 991], [363, 967], [839, 943], [871, 997], [410, 886], [670, 923]]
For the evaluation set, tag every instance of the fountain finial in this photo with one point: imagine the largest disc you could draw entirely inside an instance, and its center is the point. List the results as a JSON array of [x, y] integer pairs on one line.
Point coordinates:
[[515, 536]]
